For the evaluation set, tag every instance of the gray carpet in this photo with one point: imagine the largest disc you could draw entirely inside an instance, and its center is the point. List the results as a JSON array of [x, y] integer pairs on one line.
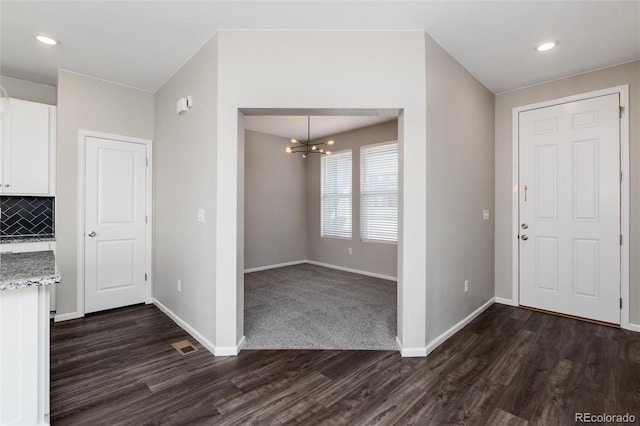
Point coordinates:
[[311, 307]]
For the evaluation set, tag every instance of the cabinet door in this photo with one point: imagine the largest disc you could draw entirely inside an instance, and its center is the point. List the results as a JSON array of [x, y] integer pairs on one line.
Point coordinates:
[[26, 148]]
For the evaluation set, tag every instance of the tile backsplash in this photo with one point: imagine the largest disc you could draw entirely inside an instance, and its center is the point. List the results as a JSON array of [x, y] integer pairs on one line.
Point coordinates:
[[26, 216]]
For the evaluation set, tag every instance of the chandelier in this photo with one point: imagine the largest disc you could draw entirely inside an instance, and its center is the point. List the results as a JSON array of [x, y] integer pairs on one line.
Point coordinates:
[[306, 147]]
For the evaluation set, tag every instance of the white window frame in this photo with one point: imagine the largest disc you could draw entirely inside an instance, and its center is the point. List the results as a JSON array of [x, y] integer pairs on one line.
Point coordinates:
[[334, 196], [363, 195]]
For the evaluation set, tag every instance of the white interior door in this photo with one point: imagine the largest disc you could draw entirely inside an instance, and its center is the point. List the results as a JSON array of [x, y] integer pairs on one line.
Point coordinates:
[[115, 229], [569, 196]]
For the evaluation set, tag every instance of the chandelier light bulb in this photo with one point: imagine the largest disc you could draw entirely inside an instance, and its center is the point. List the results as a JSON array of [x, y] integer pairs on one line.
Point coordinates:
[[288, 150], [313, 148], [294, 140], [330, 142], [304, 155], [328, 152]]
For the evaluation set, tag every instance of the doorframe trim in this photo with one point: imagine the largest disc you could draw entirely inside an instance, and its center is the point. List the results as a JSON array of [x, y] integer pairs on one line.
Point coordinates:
[[80, 289], [623, 91]]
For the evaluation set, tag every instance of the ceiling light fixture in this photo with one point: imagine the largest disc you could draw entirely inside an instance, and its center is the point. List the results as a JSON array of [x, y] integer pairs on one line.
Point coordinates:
[[306, 147], [547, 46], [49, 41]]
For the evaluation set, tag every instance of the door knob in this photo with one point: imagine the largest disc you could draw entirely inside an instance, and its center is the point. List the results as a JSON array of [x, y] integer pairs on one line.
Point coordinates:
[[91, 234], [524, 237], [6, 185], [525, 226]]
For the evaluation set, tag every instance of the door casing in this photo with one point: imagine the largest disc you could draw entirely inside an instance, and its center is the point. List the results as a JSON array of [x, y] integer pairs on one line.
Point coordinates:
[[623, 91], [82, 135]]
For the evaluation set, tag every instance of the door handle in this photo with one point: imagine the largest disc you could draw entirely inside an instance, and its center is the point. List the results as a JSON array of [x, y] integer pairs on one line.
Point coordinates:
[[91, 234], [525, 226], [524, 238]]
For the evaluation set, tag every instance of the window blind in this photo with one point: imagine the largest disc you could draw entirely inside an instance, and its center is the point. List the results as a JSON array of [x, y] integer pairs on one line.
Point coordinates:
[[335, 178], [379, 192]]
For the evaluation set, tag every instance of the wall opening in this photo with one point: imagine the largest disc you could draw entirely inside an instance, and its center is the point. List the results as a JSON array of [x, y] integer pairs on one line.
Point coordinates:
[[284, 266]]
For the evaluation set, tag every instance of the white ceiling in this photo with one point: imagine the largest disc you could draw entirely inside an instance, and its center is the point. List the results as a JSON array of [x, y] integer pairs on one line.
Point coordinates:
[[295, 126], [142, 43]]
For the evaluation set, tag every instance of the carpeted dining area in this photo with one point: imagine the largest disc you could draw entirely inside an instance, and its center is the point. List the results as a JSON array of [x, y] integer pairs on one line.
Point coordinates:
[[312, 307]]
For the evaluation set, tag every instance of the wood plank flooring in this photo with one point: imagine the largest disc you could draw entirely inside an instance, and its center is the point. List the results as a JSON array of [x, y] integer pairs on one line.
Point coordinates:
[[509, 366]]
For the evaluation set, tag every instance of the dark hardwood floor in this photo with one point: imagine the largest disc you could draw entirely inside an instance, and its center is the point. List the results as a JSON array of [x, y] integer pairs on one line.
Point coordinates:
[[509, 366]]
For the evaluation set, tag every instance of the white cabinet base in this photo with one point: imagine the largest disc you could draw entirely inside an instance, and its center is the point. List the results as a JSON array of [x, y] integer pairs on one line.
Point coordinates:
[[24, 356]]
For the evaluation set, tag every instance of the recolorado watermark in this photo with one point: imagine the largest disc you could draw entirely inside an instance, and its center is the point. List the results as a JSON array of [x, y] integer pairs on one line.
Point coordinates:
[[605, 418]]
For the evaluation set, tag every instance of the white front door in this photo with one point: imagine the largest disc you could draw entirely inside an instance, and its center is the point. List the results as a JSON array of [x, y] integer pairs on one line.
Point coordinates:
[[569, 196], [115, 230]]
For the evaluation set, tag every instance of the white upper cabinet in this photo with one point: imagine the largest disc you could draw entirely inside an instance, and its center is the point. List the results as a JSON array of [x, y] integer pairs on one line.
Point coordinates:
[[28, 149]]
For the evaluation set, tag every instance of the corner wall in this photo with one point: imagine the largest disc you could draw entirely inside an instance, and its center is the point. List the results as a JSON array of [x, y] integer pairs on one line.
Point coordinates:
[[89, 104], [504, 238], [378, 258], [460, 174], [185, 181], [275, 202]]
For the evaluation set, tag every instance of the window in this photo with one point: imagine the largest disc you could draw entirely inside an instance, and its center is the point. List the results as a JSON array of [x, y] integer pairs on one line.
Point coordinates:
[[335, 177], [379, 192]]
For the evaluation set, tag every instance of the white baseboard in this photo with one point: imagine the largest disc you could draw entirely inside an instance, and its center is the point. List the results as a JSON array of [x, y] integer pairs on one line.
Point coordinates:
[[457, 327], [410, 352], [186, 327], [277, 265], [66, 317], [354, 271], [230, 350], [504, 301], [632, 327]]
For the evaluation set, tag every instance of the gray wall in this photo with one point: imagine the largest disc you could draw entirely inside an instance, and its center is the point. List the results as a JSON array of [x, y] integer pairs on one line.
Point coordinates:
[[275, 202], [28, 91], [380, 258], [89, 104], [185, 181], [460, 166], [610, 77]]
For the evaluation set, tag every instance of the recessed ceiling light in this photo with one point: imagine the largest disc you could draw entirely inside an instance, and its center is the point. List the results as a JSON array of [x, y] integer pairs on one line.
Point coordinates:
[[46, 39], [547, 46]]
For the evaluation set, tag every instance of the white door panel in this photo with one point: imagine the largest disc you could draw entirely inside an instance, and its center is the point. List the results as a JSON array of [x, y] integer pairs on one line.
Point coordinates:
[[569, 192], [115, 231]]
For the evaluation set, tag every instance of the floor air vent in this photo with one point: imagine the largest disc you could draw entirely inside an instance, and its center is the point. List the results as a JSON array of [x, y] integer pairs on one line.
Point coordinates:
[[184, 347]]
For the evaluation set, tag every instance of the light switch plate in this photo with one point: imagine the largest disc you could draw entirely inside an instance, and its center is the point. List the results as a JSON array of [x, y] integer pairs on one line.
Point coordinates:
[[201, 215], [485, 214]]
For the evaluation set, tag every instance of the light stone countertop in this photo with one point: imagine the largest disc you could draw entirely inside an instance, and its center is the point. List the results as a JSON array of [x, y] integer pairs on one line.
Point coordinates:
[[30, 269], [26, 239]]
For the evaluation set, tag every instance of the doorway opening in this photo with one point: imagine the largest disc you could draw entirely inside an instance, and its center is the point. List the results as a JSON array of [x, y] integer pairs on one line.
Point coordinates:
[[320, 249]]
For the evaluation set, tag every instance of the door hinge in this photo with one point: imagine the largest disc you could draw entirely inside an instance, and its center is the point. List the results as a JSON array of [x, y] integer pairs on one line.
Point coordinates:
[[145, 276], [621, 111], [620, 175], [621, 303], [620, 239], [146, 219], [146, 161]]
